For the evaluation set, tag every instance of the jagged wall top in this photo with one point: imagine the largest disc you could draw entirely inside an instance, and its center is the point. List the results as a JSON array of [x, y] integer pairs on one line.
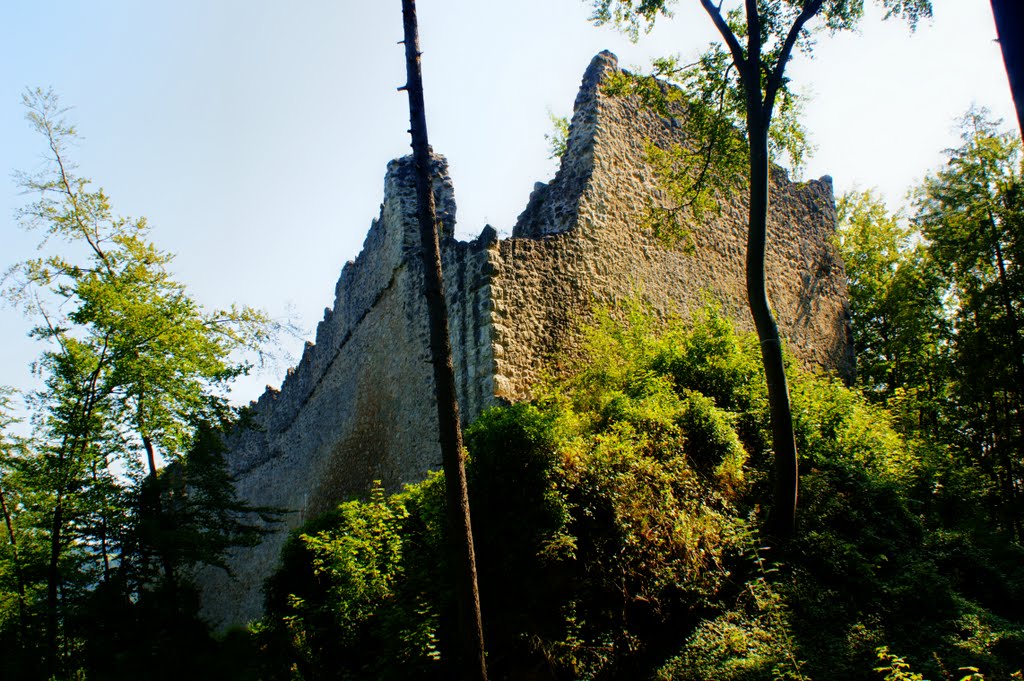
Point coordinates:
[[390, 239], [357, 408], [546, 214], [594, 218]]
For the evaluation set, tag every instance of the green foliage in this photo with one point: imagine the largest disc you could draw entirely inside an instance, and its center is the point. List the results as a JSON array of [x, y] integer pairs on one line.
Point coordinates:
[[971, 213], [602, 509], [936, 307], [634, 16], [346, 603], [201, 517], [629, 15], [558, 138], [895, 668], [716, 80], [899, 319], [134, 376], [693, 176], [118, 324], [838, 427], [689, 175], [616, 519], [361, 562]]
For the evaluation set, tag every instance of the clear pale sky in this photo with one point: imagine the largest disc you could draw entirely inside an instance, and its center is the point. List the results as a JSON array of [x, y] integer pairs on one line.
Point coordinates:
[[254, 134]]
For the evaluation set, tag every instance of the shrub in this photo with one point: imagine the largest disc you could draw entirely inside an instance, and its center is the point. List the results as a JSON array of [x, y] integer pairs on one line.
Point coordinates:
[[616, 519]]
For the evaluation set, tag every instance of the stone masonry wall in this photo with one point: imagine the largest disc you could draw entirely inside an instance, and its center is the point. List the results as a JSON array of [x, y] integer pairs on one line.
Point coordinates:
[[580, 242], [359, 405]]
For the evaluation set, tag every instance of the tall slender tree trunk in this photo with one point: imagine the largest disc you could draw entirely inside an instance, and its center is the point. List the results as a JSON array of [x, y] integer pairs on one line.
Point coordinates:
[[1005, 296], [104, 513], [472, 665], [150, 457], [783, 513], [19, 579], [1013, 418], [52, 584], [158, 517], [759, 104]]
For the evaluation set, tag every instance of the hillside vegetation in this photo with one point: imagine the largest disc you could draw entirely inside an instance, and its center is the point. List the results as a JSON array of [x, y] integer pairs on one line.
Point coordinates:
[[618, 522]]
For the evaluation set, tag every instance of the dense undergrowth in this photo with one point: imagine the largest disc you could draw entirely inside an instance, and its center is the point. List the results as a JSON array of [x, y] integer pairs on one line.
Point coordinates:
[[618, 522]]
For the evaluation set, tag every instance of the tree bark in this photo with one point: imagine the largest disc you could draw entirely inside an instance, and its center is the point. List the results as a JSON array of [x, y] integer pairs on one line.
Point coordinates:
[[104, 513], [9, 522], [158, 518], [782, 519], [759, 105], [1012, 416], [52, 580], [1009, 18], [472, 664]]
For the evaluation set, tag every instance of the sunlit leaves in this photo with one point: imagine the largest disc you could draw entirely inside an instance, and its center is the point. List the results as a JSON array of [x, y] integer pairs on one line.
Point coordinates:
[[631, 16], [558, 138], [707, 99], [972, 214], [132, 369], [784, 27], [623, 503], [362, 559], [159, 357], [691, 175], [899, 320]]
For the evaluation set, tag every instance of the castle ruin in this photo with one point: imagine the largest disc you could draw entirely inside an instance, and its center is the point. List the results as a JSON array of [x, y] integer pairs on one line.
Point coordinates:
[[358, 407]]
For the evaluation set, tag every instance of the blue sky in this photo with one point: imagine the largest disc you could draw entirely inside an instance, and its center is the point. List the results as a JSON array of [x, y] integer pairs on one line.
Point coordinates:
[[254, 134]]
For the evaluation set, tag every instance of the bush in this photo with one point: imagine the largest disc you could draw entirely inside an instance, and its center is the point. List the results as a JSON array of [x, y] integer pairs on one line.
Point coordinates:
[[617, 522]]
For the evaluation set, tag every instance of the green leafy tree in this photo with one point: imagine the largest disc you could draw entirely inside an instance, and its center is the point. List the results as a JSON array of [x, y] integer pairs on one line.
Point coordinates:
[[67, 457], [12, 566], [759, 39], [972, 214], [133, 366], [899, 318]]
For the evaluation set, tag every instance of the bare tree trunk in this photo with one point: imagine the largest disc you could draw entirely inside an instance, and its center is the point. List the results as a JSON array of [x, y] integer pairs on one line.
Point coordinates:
[[472, 665]]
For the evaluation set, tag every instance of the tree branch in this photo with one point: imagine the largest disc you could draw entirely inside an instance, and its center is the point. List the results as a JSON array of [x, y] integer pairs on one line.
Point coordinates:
[[753, 35], [727, 35], [811, 7], [74, 202], [713, 141]]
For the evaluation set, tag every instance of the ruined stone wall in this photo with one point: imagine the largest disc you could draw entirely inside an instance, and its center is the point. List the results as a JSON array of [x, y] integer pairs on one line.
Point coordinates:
[[359, 406], [582, 242]]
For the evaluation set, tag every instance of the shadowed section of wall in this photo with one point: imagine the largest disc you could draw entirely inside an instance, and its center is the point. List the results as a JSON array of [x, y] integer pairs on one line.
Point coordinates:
[[355, 409], [360, 404]]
